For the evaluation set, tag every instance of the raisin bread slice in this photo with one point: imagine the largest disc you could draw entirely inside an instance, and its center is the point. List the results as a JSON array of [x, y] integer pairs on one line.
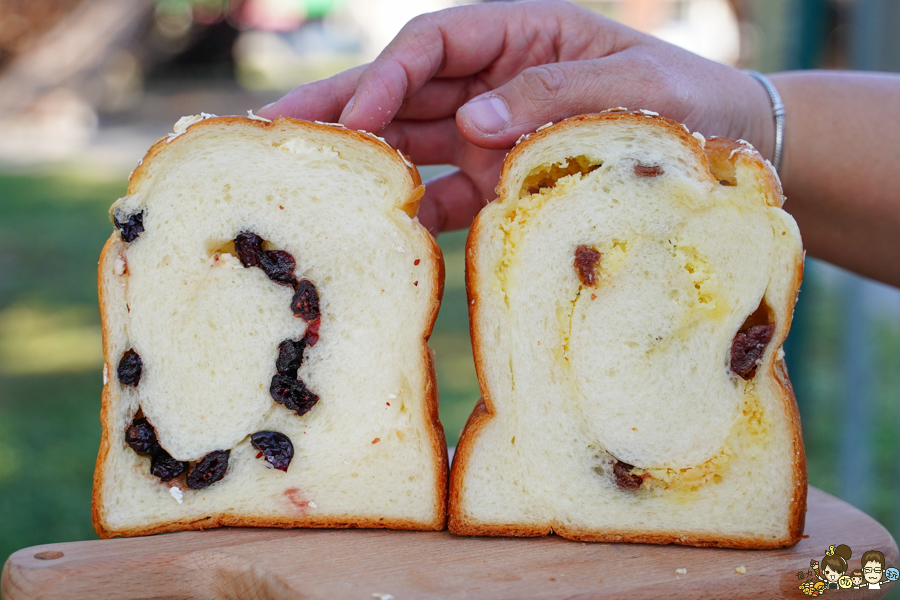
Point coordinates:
[[266, 299], [630, 291]]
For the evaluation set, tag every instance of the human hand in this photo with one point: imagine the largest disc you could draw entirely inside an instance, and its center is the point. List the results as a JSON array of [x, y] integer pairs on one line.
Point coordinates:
[[461, 85]]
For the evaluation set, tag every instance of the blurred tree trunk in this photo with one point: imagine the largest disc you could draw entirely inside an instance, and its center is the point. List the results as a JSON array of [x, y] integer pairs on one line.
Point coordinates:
[[69, 51]]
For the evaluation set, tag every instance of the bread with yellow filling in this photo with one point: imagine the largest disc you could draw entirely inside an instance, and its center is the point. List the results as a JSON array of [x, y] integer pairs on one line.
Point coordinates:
[[629, 294]]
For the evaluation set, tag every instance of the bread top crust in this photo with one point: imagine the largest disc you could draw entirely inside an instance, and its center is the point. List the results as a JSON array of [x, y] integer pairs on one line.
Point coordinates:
[[715, 153], [198, 124]]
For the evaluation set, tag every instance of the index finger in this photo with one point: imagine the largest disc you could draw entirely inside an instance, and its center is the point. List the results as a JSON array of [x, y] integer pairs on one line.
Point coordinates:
[[318, 101]]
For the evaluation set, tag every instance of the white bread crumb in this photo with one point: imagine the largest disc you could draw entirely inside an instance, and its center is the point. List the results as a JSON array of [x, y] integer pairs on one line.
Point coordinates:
[[681, 571], [250, 115], [184, 122], [405, 160], [742, 570]]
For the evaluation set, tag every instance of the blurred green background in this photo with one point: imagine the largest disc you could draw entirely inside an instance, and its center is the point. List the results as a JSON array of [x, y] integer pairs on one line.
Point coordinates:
[[69, 137]]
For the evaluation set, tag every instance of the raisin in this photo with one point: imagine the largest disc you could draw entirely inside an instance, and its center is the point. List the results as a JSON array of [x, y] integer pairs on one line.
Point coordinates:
[[305, 303], [642, 171], [163, 466], [586, 259], [130, 368], [209, 470], [290, 357], [748, 347], [249, 248], [131, 227], [312, 332], [275, 447], [279, 266], [292, 394], [141, 437], [625, 479]]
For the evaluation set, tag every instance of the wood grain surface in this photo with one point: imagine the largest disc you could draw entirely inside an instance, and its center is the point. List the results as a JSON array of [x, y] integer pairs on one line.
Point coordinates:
[[257, 564]]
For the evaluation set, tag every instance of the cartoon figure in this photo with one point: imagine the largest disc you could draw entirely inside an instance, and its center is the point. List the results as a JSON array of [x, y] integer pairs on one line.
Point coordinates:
[[812, 588], [873, 566], [857, 577], [834, 565]]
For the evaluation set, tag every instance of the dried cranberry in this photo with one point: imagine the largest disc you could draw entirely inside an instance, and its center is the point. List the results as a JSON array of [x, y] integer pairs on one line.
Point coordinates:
[[290, 357], [276, 447], [130, 368], [642, 171], [586, 259], [625, 479], [312, 332], [305, 303], [292, 394], [130, 227], [748, 347], [163, 466], [141, 437], [249, 248], [209, 470], [279, 266]]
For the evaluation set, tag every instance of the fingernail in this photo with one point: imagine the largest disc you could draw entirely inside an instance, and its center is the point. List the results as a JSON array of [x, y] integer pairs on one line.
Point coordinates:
[[265, 108], [490, 114], [347, 109]]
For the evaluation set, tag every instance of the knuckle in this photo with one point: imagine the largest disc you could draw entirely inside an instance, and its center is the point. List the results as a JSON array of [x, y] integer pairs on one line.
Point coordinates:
[[543, 83], [417, 23]]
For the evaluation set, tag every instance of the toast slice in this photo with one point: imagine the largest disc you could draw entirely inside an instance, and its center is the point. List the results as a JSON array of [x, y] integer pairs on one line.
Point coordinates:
[[629, 294], [266, 299]]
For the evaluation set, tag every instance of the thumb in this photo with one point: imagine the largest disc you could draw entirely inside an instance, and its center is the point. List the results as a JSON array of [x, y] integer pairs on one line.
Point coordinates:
[[550, 93]]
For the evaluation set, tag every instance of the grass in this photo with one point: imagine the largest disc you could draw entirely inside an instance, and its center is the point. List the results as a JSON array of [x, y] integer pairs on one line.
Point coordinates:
[[52, 228]]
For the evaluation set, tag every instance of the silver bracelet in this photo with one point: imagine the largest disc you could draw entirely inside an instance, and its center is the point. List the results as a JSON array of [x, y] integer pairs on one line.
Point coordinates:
[[777, 112]]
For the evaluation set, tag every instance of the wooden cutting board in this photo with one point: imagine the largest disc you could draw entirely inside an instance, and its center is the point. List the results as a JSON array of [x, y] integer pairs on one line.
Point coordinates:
[[257, 564]]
